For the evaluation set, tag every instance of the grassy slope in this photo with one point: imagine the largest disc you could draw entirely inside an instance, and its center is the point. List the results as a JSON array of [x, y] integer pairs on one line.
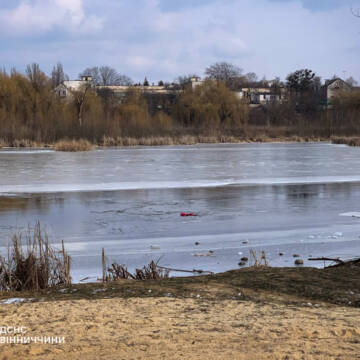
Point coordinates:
[[285, 285]]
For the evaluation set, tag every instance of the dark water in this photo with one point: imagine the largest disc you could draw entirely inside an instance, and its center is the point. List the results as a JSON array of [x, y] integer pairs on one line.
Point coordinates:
[[290, 198]]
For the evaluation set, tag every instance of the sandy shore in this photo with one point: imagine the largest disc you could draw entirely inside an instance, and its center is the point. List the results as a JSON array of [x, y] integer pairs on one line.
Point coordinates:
[[165, 328]]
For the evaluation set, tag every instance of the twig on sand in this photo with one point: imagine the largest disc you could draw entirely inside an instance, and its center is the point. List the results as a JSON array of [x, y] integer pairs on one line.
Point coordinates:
[[194, 271], [338, 261]]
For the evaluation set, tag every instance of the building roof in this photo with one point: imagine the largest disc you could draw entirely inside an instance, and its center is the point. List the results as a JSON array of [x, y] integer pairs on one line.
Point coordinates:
[[330, 82]]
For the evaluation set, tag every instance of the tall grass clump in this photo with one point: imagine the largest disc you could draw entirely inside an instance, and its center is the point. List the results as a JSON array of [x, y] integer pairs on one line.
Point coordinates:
[[351, 141], [73, 145], [148, 272], [33, 264], [258, 260]]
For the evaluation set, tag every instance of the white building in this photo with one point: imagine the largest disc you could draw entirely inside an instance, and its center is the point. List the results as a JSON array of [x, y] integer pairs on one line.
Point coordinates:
[[66, 89], [196, 81], [261, 96], [254, 96]]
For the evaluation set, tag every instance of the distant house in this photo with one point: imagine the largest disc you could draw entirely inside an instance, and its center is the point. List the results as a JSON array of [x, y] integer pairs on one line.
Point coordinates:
[[262, 95], [332, 88], [196, 81], [121, 90], [66, 89], [255, 96]]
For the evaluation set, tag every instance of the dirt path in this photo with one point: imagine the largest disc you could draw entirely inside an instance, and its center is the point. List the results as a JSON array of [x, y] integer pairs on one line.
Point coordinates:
[[165, 328]]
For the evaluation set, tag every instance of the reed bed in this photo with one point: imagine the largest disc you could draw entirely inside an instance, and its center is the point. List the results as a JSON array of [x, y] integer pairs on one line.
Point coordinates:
[[34, 264], [73, 145], [22, 143], [168, 140], [148, 272], [351, 141]]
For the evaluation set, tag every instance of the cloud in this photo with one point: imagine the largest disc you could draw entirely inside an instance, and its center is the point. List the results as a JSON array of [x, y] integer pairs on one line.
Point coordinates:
[[321, 5], [167, 5], [162, 39], [39, 16]]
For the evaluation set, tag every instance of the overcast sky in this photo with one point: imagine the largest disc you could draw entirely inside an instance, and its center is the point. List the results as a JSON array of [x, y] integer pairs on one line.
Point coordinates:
[[162, 39]]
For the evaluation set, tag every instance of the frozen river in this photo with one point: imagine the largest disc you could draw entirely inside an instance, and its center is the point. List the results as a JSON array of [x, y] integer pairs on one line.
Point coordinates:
[[289, 198]]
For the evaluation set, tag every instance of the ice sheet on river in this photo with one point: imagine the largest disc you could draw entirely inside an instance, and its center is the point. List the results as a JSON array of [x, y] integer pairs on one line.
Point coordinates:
[[142, 185]]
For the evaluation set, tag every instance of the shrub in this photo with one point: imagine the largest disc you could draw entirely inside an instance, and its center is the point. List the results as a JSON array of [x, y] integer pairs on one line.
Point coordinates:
[[35, 265], [73, 145]]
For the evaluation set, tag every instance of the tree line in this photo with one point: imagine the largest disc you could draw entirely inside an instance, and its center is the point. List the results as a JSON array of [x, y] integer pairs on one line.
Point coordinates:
[[30, 109]]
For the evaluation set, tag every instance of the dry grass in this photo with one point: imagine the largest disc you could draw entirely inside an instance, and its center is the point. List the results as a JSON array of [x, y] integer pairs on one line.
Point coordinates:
[[351, 141], [73, 145], [258, 260], [26, 143], [169, 140], [22, 143], [254, 135], [34, 265], [178, 136], [149, 272]]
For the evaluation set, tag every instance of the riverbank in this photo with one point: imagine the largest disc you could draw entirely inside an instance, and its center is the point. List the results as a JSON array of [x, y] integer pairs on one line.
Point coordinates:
[[255, 313], [351, 140], [85, 145], [78, 145]]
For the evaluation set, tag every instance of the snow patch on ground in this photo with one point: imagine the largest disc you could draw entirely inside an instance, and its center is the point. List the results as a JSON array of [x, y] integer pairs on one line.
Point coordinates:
[[15, 301]]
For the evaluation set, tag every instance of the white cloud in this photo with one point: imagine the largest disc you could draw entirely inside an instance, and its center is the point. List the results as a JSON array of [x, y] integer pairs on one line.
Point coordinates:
[[270, 38], [38, 16], [140, 39]]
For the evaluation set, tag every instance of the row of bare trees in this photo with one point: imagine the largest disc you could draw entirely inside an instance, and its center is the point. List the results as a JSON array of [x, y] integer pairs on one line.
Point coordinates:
[[30, 109]]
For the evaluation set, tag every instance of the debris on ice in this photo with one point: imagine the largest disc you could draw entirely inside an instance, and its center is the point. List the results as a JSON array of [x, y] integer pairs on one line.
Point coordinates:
[[355, 214]]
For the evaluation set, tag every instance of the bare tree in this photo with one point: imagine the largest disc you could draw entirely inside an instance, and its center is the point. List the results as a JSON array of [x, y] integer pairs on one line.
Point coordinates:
[[37, 78], [228, 73], [106, 76], [109, 76], [124, 80], [251, 79], [182, 82], [94, 73], [57, 75], [80, 97]]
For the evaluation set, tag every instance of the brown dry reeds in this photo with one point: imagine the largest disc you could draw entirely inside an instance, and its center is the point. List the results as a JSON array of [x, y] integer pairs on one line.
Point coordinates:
[[34, 265], [148, 272], [351, 141], [73, 145], [256, 260], [26, 143], [169, 140]]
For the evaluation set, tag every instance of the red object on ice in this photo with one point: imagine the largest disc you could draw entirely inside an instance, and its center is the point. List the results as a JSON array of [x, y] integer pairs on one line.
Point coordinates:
[[187, 214]]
